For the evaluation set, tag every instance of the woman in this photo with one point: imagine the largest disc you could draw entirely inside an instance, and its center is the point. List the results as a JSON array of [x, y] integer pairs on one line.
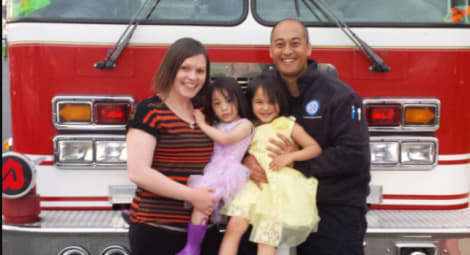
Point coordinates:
[[164, 147]]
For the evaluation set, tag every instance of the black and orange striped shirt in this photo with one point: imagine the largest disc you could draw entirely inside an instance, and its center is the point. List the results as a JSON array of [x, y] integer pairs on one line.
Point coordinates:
[[181, 151]]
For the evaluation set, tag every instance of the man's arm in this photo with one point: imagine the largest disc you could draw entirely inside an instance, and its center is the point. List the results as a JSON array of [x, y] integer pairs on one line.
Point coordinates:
[[257, 173], [348, 151]]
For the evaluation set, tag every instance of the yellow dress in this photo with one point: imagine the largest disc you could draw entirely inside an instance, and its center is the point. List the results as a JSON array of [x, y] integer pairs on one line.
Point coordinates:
[[284, 211]]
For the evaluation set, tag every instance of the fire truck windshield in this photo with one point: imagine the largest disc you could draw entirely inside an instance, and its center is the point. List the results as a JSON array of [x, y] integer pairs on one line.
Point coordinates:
[[190, 12], [232, 12], [365, 12]]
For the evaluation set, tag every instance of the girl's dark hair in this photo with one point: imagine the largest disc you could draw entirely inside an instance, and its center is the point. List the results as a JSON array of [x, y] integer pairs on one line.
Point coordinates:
[[178, 52], [274, 88], [232, 92]]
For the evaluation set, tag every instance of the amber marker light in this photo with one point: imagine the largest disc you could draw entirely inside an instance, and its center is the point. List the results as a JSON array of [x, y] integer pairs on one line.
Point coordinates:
[[74, 112], [420, 115]]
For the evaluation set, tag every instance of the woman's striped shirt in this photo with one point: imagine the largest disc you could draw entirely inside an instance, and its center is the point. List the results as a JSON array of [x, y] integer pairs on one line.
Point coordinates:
[[181, 151]]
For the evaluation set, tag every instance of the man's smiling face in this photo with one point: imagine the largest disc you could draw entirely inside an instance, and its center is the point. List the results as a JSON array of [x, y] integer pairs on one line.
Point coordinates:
[[289, 48]]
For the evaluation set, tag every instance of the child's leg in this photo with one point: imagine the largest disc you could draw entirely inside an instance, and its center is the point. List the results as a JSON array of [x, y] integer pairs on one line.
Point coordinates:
[[236, 227], [196, 233], [264, 249], [198, 218]]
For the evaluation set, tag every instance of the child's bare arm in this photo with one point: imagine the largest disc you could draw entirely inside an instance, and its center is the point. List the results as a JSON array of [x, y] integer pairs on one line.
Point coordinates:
[[310, 149], [241, 131]]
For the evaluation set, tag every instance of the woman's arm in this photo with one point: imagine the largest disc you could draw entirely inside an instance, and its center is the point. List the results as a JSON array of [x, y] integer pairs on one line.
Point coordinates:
[[140, 148], [241, 131], [310, 149]]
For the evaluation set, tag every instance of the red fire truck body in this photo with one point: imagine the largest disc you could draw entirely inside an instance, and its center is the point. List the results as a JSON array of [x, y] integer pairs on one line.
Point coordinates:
[[65, 133]]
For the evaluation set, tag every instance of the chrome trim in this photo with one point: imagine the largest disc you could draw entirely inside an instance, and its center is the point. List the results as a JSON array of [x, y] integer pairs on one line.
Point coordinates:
[[416, 245], [115, 250], [66, 230], [400, 140], [435, 231], [57, 118], [121, 194], [91, 99], [375, 195], [418, 222], [406, 102], [73, 221], [73, 250], [239, 69], [93, 164]]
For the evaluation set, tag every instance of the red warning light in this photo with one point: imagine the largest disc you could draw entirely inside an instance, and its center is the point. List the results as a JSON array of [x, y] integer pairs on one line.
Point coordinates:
[[383, 115], [112, 113]]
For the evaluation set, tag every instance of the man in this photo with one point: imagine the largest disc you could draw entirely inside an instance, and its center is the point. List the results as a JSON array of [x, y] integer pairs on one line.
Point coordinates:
[[331, 112]]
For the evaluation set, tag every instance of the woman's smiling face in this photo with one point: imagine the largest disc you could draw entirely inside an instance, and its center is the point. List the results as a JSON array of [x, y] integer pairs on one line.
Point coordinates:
[[191, 76]]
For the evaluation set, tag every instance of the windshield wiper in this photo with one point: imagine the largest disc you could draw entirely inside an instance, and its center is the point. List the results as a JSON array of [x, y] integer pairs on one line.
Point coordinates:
[[297, 10], [378, 65], [143, 13]]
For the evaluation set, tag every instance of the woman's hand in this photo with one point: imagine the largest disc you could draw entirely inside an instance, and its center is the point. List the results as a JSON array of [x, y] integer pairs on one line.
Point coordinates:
[[203, 200], [257, 173]]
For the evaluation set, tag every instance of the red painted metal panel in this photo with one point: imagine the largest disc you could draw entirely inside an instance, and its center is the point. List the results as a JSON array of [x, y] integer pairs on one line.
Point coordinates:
[[426, 197], [40, 71], [418, 207]]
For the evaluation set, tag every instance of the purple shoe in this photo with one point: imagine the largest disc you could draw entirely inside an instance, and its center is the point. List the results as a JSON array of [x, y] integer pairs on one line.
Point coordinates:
[[193, 243]]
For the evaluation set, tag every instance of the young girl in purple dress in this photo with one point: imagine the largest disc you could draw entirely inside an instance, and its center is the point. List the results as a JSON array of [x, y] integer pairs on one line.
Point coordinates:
[[224, 173]]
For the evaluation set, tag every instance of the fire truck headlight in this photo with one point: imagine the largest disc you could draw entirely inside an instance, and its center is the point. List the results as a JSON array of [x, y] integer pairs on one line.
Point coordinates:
[[403, 152], [418, 153], [75, 151], [90, 150], [384, 152], [111, 152]]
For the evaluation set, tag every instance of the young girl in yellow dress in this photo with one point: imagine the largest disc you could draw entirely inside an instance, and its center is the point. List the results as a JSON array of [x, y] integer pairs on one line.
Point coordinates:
[[283, 212]]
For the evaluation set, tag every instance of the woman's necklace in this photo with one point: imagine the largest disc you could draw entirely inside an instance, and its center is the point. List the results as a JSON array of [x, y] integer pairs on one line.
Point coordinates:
[[184, 114]]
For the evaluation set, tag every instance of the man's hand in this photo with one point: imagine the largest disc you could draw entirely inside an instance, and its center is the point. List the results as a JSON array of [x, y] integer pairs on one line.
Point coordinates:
[[281, 147], [280, 161], [257, 173]]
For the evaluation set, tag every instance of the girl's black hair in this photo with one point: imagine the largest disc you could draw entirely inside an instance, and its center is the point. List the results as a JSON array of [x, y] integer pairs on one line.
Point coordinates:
[[232, 92], [274, 88]]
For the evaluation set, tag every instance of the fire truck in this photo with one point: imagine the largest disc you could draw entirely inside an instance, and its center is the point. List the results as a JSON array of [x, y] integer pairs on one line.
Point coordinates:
[[77, 69]]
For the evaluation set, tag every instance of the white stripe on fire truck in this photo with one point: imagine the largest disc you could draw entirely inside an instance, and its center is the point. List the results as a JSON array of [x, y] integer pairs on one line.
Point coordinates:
[[454, 157], [254, 34]]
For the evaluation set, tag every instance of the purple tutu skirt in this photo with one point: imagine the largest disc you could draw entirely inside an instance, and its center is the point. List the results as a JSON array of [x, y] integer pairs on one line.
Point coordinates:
[[227, 177]]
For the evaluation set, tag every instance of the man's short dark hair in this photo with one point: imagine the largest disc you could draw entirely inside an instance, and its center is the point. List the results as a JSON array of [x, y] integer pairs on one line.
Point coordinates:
[[295, 20]]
